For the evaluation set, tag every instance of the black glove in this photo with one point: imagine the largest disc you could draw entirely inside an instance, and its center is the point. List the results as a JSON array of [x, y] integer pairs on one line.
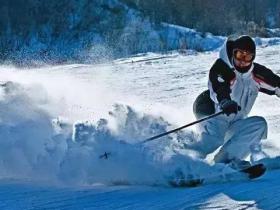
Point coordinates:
[[229, 106]]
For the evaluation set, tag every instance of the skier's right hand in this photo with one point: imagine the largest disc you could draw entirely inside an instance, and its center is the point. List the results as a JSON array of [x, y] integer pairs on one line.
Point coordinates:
[[229, 106]]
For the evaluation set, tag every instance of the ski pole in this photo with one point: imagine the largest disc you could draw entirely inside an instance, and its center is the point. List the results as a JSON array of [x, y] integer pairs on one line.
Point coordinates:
[[105, 155], [180, 128]]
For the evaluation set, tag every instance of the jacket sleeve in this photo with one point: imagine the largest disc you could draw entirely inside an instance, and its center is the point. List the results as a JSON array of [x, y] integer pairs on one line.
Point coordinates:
[[220, 78], [267, 80]]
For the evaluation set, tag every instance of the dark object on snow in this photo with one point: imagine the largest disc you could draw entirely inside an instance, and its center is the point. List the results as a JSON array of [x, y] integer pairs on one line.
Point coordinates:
[[186, 183], [105, 155]]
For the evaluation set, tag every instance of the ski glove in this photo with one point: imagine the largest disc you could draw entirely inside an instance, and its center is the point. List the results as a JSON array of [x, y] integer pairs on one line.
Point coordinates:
[[229, 106], [277, 92]]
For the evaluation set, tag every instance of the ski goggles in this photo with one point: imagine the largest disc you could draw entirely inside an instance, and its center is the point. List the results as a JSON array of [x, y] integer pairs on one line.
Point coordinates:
[[243, 55]]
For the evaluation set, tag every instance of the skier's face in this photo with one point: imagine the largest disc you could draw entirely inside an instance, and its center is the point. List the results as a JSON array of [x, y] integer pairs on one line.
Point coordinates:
[[241, 64], [242, 58]]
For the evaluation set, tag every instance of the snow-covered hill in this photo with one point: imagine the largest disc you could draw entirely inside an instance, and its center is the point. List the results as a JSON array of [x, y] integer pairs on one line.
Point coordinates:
[[56, 121]]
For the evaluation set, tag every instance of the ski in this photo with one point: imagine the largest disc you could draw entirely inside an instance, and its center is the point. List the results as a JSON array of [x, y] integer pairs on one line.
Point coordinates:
[[254, 171], [249, 173]]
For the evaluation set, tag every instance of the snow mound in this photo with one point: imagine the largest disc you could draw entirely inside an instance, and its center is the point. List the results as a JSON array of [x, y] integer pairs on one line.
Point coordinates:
[[178, 37]]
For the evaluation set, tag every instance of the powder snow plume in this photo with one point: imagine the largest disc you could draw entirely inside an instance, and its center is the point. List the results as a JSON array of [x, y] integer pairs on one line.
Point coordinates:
[[36, 146]]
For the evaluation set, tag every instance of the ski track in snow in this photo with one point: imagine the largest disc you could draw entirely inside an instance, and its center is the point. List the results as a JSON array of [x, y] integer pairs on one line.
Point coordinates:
[[76, 112]]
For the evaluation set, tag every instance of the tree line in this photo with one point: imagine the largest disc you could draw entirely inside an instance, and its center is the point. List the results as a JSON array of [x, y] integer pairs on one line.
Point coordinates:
[[77, 29], [220, 17]]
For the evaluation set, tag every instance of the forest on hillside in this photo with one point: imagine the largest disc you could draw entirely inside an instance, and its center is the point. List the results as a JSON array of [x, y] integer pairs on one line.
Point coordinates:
[[216, 16], [82, 30]]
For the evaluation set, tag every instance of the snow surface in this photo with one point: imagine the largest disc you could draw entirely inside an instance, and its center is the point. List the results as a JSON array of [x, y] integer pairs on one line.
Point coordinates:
[[56, 121]]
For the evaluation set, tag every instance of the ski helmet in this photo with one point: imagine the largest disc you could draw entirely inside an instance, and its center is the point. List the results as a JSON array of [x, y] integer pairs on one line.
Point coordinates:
[[245, 43]]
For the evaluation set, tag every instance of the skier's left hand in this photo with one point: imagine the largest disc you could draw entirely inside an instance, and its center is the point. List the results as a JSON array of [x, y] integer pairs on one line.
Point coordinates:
[[277, 92]]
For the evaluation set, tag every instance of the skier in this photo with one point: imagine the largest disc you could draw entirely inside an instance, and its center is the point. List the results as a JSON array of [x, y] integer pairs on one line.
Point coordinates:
[[234, 82]]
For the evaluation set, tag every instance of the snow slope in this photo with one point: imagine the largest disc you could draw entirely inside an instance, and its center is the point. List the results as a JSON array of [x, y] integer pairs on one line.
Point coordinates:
[[260, 194], [55, 122]]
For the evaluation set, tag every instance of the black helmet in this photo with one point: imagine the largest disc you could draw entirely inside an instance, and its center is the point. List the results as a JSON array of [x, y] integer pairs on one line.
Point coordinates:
[[245, 43]]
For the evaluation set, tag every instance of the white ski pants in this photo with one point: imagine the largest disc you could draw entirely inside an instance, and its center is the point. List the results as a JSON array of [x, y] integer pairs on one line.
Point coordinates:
[[238, 139]]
